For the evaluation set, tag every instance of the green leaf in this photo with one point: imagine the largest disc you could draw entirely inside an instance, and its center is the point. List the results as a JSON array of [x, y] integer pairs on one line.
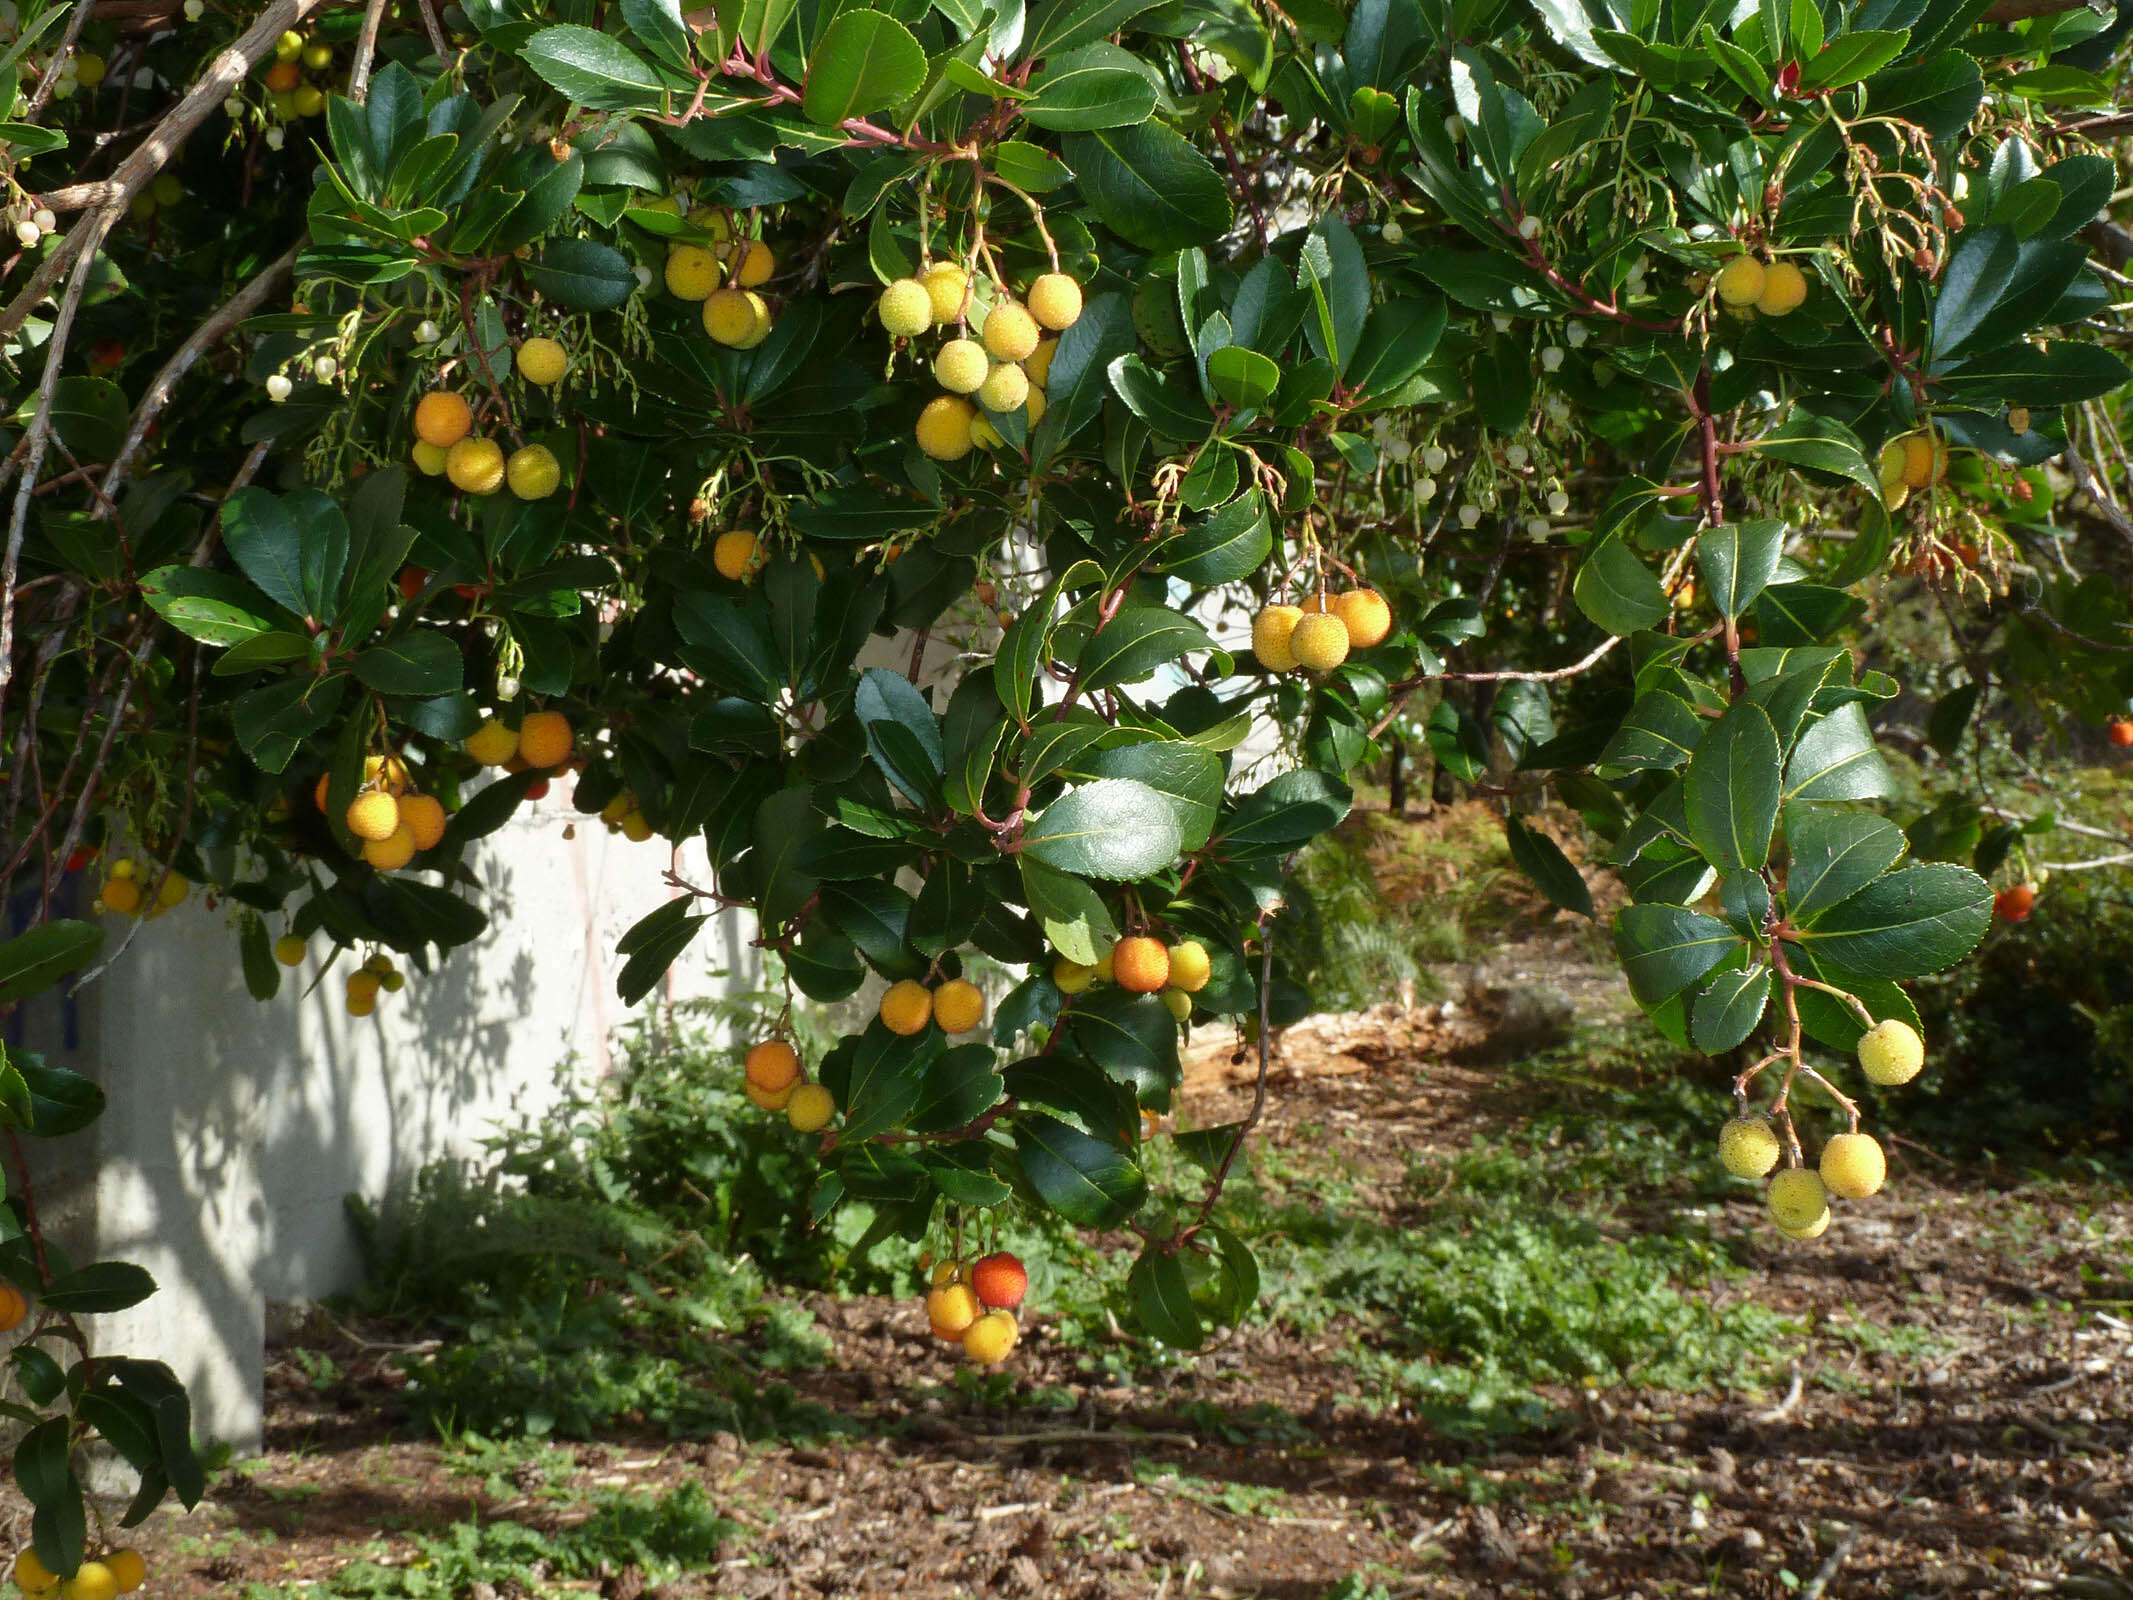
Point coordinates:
[[1283, 813], [888, 1072], [1541, 859], [866, 60], [61, 1102], [41, 1466], [1162, 1300], [1132, 1037], [1150, 186], [1835, 759], [1185, 774], [903, 735], [1088, 1181], [88, 414], [1242, 379], [960, 1085], [102, 1286], [423, 661], [1134, 643], [36, 960], [656, 947], [2062, 373], [1852, 56], [1664, 949], [582, 274], [1097, 86], [1057, 26], [1728, 1008], [658, 25], [264, 540], [1073, 915], [595, 70], [1737, 561], [1231, 542], [1660, 732], [1731, 788], [1115, 828], [1916, 920], [41, 1377], [1835, 854], [1617, 591]]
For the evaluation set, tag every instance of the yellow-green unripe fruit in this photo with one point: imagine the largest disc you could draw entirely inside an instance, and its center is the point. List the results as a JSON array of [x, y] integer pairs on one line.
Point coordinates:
[[1796, 1197], [1890, 1052], [289, 950], [1037, 366], [1892, 466], [1190, 967], [1319, 641], [542, 361], [736, 318], [989, 1339], [810, 1108], [691, 272], [475, 465], [1055, 301], [289, 46], [1178, 1003], [1010, 332], [1853, 1166], [1072, 977], [948, 287], [430, 458], [533, 473], [1740, 282], [1272, 630], [167, 189], [319, 56], [1784, 287], [944, 427], [961, 367], [1813, 1230], [1004, 388], [905, 308], [1748, 1147]]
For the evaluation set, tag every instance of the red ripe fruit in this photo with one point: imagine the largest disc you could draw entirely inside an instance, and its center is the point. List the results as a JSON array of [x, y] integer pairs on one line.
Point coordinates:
[[2119, 731], [538, 789], [2015, 904], [412, 580], [1000, 1280], [82, 856]]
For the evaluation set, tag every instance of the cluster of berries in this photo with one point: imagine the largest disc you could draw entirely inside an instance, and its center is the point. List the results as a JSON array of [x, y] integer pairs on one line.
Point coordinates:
[[114, 1573], [543, 741], [1915, 461], [724, 278], [375, 974], [1746, 284], [624, 816], [957, 1006], [1320, 633], [1003, 369], [473, 463], [122, 891], [394, 824], [297, 81], [973, 1304], [1141, 965], [775, 1083]]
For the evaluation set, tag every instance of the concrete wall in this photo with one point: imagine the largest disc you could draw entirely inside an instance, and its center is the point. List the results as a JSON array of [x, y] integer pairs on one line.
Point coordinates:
[[237, 1129]]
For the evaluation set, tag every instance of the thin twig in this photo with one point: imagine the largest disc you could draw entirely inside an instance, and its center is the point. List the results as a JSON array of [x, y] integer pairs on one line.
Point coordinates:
[[366, 50]]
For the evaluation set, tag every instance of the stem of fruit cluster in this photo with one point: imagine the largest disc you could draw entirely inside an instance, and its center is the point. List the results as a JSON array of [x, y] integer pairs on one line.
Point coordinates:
[[1858, 1006]]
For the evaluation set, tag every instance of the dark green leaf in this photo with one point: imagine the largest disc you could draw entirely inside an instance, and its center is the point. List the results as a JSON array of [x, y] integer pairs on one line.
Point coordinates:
[[1087, 1181]]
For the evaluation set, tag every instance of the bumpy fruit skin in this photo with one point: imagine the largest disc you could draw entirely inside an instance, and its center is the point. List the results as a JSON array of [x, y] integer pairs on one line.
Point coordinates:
[[1038, 365], [1748, 1147], [1000, 1280], [991, 1337], [1366, 616], [30, 1573], [1272, 631], [1890, 1052], [906, 1007], [492, 744], [754, 263], [128, 1567], [1796, 1197], [545, 739], [958, 1006], [948, 287], [1190, 967], [951, 1309], [1740, 282], [961, 367], [905, 308], [442, 418], [1319, 642], [289, 950], [430, 458], [2119, 731], [373, 816], [392, 853], [737, 318], [737, 553], [1071, 977], [1178, 1003], [476, 466], [1055, 301], [1004, 388], [810, 1108], [1784, 287], [1010, 332], [14, 1306], [1853, 1166], [1925, 459], [1139, 964], [770, 1099], [173, 890], [944, 427], [92, 1580], [533, 473], [1813, 1230], [424, 816], [542, 361], [772, 1064], [691, 272]]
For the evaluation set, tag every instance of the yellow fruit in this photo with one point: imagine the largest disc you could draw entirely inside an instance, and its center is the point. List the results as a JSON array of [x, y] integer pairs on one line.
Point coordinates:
[[737, 554], [1178, 1003], [289, 950], [1140, 964], [542, 361], [424, 816], [1319, 642], [128, 1567], [1004, 388], [89, 69], [755, 263], [1010, 332], [907, 1007], [1925, 459], [1034, 405], [1891, 466], [989, 1339], [476, 466], [175, 887], [636, 827], [945, 1273], [122, 895], [125, 867], [1740, 282], [430, 458], [1272, 631], [691, 272], [1102, 972], [905, 308], [363, 984], [944, 427], [442, 418], [958, 1006], [948, 287], [92, 1580], [308, 101], [1190, 967], [373, 815], [318, 57], [287, 48], [1813, 1230], [1038, 365], [961, 367], [738, 318], [1890, 1052], [770, 1099], [1366, 616], [167, 189], [492, 744], [1748, 1147], [773, 1064], [1055, 301], [1853, 1166], [1784, 287], [545, 739], [1071, 977], [985, 435], [391, 854], [31, 1573], [810, 1109], [952, 1308], [1795, 1198], [533, 472]]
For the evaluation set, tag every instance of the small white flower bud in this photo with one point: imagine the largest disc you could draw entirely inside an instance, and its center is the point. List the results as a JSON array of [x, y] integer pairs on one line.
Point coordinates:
[[45, 220], [1529, 227], [506, 688], [276, 138], [278, 388], [26, 233], [1392, 233], [1469, 515], [1426, 489], [1577, 333], [1558, 503], [195, 10], [1398, 449], [234, 106], [324, 368], [1536, 527], [1552, 358], [1434, 458], [425, 332], [1516, 456], [644, 276]]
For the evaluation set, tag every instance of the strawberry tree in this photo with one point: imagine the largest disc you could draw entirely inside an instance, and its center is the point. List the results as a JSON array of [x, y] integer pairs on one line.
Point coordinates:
[[986, 478]]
